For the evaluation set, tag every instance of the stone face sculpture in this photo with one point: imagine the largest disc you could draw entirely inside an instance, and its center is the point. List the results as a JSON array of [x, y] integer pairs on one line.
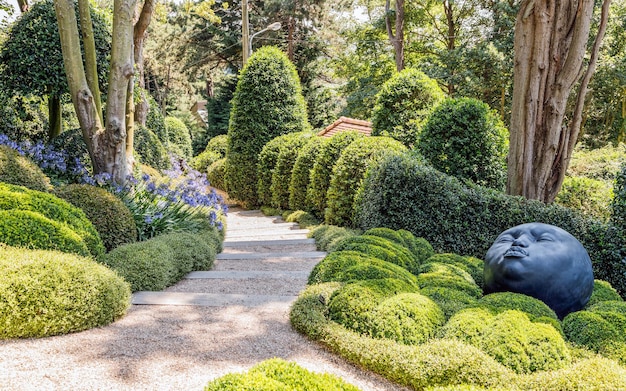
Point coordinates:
[[542, 261]]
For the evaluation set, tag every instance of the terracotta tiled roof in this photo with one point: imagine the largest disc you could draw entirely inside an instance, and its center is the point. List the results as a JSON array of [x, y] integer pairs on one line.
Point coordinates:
[[344, 124]]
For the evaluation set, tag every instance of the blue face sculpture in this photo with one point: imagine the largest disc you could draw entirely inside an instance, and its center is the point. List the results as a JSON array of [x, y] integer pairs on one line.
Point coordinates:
[[542, 261]]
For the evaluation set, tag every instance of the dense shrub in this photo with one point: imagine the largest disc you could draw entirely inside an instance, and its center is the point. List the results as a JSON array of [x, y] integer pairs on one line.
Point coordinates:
[[301, 173], [215, 150], [281, 177], [179, 137], [403, 104], [47, 293], [73, 142], [110, 217], [601, 163], [408, 318], [474, 266], [277, 375], [435, 274], [590, 196], [380, 248], [450, 300], [603, 291], [304, 219], [53, 208], [348, 174], [421, 249], [321, 173], [190, 251], [504, 301], [268, 102], [150, 149], [155, 121], [19, 170], [465, 139], [23, 118], [215, 174], [327, 236], [510, 338], [267, 160], [591, 330], [147, 266]]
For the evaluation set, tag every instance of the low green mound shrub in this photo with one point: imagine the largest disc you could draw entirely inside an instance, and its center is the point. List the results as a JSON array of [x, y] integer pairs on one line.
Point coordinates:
[[23, 228], [150, 149], [301, 173], [348, 173], [321, 173], [603, 291], [435, 274], [109, 215], [327, 236], [19, 170], [147, 266], [589, 329], [351, 305], [218, 144], [304, 219], [474, 266], [450, 300], [47, 293], [215, 174], [380, 248], [281, 176], [597, 374], [202, 161], [190, 251], [504, 301], [511, 339], [408, 318], [277, 375], [179, 137], [52, 207], [590, 196]]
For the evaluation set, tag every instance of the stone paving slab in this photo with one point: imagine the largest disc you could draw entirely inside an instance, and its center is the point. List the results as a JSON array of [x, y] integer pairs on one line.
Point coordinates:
[[276, 264], [265, 225], [208, 299], [269, 234], [249, 286], [233, 274], [267, 243], [273, 255]]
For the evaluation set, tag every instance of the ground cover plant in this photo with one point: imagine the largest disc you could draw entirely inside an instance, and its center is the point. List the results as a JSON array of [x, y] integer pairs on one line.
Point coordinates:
[[430, 328]]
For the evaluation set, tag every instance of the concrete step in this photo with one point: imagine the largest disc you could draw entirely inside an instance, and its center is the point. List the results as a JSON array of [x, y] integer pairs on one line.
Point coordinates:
[[260, 226], [272, 255], [245, 274], [268, 247], [210, 300], [276, 264], [275, 234], [247, 286], [280, 243]]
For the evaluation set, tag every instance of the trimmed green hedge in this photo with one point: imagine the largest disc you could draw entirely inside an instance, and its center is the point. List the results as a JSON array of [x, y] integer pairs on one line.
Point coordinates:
[[109, 215], [279, 375], [348, 175], [267, 160], [179, 137], [421, 249], [215, 174], [603, 291], [450, 300], [281, 177], [19, 170], [150, 149], [328, 236], [191, 252], [380, 248], [474, 266], [53, 208], [592, 197], [321, 173], [436, 274], [47, 293], [215, 150], [301, 173]]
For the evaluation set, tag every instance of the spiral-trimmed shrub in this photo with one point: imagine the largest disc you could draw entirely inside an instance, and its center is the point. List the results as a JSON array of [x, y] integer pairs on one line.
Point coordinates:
[[47, 293], [19, 170]]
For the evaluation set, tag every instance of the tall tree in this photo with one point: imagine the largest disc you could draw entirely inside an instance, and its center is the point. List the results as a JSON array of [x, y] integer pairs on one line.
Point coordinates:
[[551, 40]]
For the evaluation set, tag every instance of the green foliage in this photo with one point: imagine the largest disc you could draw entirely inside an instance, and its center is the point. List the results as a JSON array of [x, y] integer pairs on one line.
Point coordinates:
[[19, 170], [421, 249], [268, 102], [348, 174], [503, 301], [23, 118], [155, 121], [403, 105], [590, 329], [47, 293], [147, 266], [215, 173], [179, 137], [218, 107], [450, 300], [590, 196], [327, 236], [329, 152], [408, 318], [31, 58], [304, 219], [436, 274], [190, 251], [218, 144], [72, 141], [601, 164], [511, 339], [215, 150], [465, 139], [301, 173], [380, 248], [267, 160], [603, 291], [150, 149], [618, 206], [53, 208], [110, 217], [474, 266], [275, 375], [281, 176]]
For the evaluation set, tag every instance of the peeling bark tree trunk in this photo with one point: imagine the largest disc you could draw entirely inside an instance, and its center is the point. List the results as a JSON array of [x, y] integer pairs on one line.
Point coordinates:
[[550, 46], [397, 39]]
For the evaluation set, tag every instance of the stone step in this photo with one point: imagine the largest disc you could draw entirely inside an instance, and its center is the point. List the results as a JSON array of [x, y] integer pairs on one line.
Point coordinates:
[[247, 286], [260, 226], [272, 255], [277, 264], [268, 234], [210, 300], [257, 274], [265, 242], [268, 247]]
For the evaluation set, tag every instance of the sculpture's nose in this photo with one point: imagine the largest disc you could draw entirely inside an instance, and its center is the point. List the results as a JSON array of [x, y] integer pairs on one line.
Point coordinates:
[[521, 241]]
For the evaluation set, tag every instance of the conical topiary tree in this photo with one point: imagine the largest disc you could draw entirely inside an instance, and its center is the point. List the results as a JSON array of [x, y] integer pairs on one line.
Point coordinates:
[[268, 102]]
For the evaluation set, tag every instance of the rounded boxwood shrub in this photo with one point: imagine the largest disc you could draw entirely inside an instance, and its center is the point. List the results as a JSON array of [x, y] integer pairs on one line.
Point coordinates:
[[109, 215], [325, 235], [268, 102], [435, 274], [595, 374], [408, 318], [348, 174], [215, 150], [147, 266], [321, 173], [47, 293], [603, 291], [215, 174], [403, 104], [281, 176], [19, 170], [150, 149], [276, 375], [450, 300], [380, 248], [179, 137], [52, 207], [504, 301], [267, 160], [466, 139], [301, 173], [191, 252], [474, 266], [589, 329], [218, 144]]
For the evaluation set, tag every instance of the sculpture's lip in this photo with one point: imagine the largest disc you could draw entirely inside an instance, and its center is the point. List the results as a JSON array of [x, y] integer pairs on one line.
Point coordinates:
[[515, 252]]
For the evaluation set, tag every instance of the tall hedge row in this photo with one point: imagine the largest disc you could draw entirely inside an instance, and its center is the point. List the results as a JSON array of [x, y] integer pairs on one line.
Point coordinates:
[[301, 173], [268, 102], [268, 158], [281, 178]]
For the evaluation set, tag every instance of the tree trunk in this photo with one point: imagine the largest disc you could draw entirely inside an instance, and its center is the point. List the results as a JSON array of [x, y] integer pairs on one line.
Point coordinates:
[[450, 39], [139, 36], [54, 117], [397, 39], [550, 46], [91, 65], [23, 5], [291, 27]]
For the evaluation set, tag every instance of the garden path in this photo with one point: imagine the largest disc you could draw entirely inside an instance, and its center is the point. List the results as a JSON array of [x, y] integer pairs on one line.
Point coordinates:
[[209, 324]]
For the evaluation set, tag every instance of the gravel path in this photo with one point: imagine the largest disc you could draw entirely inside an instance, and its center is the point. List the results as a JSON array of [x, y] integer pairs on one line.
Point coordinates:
[[170, 347]]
